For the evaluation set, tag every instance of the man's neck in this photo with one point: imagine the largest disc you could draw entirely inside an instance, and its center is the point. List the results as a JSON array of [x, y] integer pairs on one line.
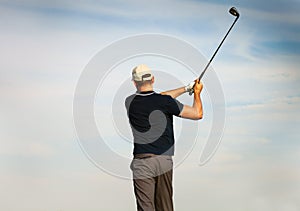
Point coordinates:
[[145, 89]]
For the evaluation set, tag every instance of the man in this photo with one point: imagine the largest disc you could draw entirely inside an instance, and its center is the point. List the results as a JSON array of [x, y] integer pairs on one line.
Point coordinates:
[[151, 118]]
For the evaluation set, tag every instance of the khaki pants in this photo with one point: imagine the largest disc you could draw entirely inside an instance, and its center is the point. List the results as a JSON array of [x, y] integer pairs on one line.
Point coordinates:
[[152, 180]]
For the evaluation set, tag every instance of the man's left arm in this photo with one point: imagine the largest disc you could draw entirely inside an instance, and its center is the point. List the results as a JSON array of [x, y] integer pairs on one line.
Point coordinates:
[[174, 93]]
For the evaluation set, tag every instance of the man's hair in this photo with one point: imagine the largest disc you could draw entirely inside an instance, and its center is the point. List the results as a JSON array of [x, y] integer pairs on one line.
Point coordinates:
[[142, 83]]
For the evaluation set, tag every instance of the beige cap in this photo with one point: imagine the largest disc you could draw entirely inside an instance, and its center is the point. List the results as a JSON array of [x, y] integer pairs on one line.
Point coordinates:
[[141, 73]]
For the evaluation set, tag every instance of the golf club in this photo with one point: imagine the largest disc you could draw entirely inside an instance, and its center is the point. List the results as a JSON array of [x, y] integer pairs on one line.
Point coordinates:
[[233, 11]]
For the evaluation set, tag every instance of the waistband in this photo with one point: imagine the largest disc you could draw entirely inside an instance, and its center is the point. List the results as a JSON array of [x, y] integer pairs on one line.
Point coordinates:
[[143, 156], [147, 155]]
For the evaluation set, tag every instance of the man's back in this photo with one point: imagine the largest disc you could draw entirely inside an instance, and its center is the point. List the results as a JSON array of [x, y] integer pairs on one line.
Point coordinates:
[[151, 119]]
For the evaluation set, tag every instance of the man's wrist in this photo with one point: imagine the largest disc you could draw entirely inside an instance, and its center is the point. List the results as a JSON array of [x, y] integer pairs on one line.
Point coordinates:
[[197, 92], [186, 88]]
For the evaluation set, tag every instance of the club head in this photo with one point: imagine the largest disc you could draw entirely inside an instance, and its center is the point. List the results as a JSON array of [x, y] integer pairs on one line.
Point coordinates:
[[233, 11]]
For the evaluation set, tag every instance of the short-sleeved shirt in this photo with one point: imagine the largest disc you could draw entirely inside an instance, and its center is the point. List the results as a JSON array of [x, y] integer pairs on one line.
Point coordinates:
[[151, 118]]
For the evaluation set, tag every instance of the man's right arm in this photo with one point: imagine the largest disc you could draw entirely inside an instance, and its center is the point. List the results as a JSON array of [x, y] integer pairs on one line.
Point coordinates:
[[194, 112]]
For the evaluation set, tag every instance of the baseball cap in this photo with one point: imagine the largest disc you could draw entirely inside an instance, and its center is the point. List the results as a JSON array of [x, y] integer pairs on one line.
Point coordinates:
[[141, 73]]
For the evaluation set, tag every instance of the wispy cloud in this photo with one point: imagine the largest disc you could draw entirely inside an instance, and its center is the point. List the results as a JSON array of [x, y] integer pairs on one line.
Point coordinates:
[[46, 44]]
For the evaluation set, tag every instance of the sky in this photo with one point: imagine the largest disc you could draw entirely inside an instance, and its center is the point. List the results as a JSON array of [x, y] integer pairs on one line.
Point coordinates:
[[46, 45]]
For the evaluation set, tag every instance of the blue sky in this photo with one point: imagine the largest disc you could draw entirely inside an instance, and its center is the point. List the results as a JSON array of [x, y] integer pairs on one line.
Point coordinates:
[[45, 45]]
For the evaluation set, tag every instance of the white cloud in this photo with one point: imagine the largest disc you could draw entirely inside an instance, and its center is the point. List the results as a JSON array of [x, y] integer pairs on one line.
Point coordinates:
[[284, 17], [235, 180], [42, 57]]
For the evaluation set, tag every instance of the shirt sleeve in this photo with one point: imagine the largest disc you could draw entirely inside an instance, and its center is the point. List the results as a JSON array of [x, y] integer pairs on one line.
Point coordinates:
[[128, 101], [174, 107]]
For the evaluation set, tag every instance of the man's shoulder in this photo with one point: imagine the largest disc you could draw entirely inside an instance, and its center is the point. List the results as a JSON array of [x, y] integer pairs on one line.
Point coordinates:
[[165, 97], [128, 100], [129, 97], [162, 97]]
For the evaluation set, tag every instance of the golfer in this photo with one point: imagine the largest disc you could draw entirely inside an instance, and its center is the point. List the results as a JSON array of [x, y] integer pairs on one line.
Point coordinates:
[[151, 119]]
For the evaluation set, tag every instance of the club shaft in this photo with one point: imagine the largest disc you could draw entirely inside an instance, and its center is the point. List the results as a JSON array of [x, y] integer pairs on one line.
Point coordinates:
[[217, 49]]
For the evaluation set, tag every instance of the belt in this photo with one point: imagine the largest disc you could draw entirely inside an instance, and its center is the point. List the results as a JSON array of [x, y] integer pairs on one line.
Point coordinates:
[[143, 156]]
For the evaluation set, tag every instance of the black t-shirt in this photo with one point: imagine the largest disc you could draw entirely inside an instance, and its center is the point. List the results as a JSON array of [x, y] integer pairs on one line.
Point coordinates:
[[151, 118]]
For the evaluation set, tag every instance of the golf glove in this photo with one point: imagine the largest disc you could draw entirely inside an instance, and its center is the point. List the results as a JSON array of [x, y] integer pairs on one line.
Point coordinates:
[[189, 87]]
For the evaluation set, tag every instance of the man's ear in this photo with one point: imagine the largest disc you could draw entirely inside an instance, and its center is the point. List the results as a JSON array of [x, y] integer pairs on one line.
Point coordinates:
[[135, 84]]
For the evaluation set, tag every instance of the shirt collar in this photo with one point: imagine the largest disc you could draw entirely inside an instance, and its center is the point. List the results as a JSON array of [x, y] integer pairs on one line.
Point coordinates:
[[145, 93]]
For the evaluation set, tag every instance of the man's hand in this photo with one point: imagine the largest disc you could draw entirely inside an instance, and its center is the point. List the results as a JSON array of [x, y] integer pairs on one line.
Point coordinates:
[[189, 87], [198, 87]]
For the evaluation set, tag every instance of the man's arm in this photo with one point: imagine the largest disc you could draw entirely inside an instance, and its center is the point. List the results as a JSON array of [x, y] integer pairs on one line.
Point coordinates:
[[194, 112], [175, 92]]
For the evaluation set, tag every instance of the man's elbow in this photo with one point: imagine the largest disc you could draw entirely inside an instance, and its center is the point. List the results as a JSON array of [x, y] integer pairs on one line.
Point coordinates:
[[198, 116]]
